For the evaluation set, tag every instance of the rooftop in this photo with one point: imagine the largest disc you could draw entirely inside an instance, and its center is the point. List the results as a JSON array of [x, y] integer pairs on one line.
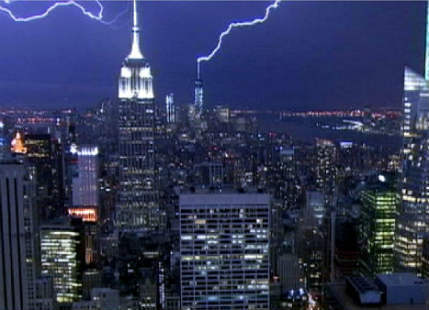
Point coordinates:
[[221, 190], [362, 284], [345, 302], [400, 279], [223, 196]]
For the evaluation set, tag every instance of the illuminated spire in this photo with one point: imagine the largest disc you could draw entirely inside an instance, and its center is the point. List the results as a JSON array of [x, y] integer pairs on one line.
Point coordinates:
[[198, 70], [135, 47]]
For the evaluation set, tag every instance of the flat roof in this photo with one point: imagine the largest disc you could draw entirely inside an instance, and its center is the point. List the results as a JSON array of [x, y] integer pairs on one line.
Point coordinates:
[[346, 302], [400, 279], [224, 189], [362, 285], [223, 197]]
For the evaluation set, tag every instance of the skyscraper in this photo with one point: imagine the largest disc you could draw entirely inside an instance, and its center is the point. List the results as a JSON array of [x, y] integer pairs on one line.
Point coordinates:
[[325, 166], [170, 108], [199, 92], [137, 206], [62, 257], [17, 272], [427, 44], [414, 210], [199, 95], [224, 248], [377, 229], [84, 184], [45, 156]]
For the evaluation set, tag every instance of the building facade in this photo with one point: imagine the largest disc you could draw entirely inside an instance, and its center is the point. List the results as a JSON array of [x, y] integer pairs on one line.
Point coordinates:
[[380, 203], [199, 95], [414, 210], [60, 246], [326, 171], [224, 247], [427, 44], [85, 182], [17, 252], [170, 108]]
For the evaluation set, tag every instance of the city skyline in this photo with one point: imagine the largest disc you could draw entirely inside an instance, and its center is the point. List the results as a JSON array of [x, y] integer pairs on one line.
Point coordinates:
[[146, 201], [294, 62]]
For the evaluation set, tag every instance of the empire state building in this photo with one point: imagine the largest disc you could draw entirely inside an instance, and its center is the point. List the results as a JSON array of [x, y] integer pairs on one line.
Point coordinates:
[[137, 204]]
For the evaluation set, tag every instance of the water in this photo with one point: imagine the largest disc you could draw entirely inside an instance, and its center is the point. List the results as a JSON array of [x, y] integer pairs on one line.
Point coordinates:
[[305, 130]]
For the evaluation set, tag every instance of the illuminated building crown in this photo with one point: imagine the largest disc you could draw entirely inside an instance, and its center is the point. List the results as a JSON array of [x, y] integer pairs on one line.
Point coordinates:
[[135, 80]]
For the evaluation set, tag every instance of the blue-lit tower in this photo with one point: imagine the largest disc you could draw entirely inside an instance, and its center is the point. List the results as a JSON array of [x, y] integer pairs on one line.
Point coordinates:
[[170, 108], [199, 91], [427, 43]]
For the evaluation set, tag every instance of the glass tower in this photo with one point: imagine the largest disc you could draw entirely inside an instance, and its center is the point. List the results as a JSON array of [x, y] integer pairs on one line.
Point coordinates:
[[60, 245], [377, 230], [137, 207], [199, 95], [199, 92], [414, 212], [427, 44]]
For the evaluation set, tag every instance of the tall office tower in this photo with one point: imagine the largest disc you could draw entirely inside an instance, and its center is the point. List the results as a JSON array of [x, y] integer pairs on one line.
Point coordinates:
[[380, 202], [427, 43], [325, 166], [224, 249], [289, 189], [414, 210], [137, 206], [17, 252], [199, 92], [85, 182], [170, 108], [44, 154], [85, 203], [199, 95], [62, 257]]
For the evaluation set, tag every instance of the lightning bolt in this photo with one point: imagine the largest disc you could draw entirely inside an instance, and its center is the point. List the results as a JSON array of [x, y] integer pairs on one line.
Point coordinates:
[[233, 25], [98, 16]]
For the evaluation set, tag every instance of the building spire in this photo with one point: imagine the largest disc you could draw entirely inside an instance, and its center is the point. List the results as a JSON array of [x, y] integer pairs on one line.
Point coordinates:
[[135, 47]]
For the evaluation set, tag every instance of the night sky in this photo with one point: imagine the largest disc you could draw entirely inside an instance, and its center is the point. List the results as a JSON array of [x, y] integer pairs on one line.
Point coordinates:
[[308, 55]]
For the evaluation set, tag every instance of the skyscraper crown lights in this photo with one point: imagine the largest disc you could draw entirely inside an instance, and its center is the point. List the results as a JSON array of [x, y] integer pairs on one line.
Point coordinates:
[[135, 81]]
